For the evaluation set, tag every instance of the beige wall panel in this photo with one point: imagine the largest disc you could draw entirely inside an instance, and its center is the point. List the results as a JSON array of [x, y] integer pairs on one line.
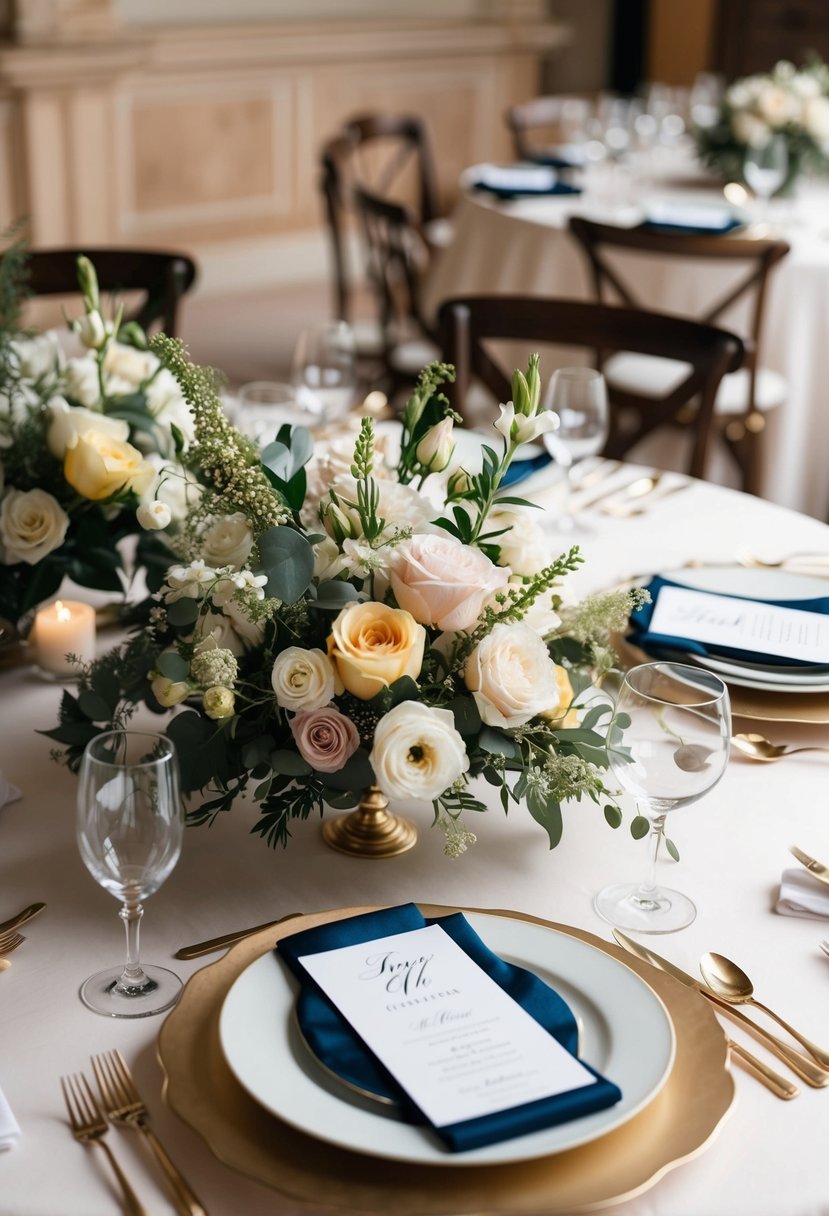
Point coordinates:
[[48, 169], [92, 191], [10, 204]]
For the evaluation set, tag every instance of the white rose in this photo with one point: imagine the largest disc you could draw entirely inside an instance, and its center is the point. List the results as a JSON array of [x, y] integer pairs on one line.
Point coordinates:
[[805, 85], [126, 367], [777, 106], [70, 422], [511, 676], [167, 405], [169, 692], [227, 541], [750, 130], [32, 524], [816, 118], [80, 380], [38, 356], [526, 547], [250, 633], [442, 582], [153, 515], [216, 632], [303, 679], [417, 751]]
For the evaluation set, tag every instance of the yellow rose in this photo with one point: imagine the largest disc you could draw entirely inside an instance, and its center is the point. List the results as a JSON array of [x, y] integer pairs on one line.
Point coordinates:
[[564, 713], [97, 466], [372, 645]]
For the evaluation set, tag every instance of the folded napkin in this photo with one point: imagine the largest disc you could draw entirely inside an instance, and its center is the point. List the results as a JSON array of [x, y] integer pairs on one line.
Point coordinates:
[[690, 220], [333, 1041], [8, 792], [519, 181], [9, 1127], [801, 894], [655, 643], [521, 470]]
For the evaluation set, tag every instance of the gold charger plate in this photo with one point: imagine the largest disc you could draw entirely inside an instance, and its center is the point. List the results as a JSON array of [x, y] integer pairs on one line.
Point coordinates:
[[745, 702], [677, 1125]]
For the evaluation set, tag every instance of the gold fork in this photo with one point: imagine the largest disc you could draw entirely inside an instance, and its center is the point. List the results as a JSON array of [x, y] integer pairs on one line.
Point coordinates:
[[124, 1104], [89, 1126], [9, 941]]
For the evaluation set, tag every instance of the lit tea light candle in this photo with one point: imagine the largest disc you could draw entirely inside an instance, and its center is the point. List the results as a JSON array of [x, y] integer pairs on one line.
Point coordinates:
[[65, 627]]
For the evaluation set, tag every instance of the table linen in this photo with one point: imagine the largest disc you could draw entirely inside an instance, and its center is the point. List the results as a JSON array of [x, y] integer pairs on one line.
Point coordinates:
[[765, 1160]]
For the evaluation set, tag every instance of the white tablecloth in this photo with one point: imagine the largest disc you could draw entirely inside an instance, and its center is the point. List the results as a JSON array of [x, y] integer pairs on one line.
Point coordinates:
[[522, 247], [768, 1157]]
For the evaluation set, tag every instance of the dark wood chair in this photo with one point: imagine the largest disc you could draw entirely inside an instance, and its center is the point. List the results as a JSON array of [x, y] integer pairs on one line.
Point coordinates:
[[707, 354], [163, 278], [746, 395], [396, 257]]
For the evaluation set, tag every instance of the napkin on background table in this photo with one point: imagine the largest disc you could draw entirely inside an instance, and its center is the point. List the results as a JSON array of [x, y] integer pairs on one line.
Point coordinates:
[[801, 894], [9, 1127], [641, 636], [519, 181], [334, 1042]]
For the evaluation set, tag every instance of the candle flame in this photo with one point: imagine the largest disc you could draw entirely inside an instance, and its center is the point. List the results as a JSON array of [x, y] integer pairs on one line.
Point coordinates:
[[62, 612]]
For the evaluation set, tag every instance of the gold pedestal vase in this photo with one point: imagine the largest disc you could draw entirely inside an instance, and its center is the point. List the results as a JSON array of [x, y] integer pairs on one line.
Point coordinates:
[[370, 831]]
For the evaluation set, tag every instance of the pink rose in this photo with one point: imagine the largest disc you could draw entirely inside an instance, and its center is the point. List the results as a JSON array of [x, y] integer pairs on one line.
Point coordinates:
[[442, 582], [325, 738]]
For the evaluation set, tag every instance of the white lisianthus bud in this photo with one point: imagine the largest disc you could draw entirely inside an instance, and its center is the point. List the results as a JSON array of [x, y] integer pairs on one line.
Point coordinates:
[[518, 428], [437, 446], [91, 330], [460, 484], [154, 515], [338, 523], [169, 692]]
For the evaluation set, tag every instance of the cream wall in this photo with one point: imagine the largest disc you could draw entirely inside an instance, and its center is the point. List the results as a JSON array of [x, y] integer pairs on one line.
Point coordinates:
[[206, 138]]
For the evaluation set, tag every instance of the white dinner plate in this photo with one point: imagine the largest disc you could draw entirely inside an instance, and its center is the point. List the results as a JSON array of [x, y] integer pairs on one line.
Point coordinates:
[[627, 1036]]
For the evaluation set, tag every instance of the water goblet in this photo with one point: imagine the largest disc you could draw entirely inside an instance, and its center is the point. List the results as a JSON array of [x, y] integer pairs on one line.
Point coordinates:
[[668, 745], [765, 168], [578, 395], [129, 828], [263, 406], [325, 370]]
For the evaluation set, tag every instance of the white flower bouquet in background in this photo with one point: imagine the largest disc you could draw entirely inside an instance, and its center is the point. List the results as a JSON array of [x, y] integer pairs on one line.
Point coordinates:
[[90, 449], [788, 101], [336, 624]]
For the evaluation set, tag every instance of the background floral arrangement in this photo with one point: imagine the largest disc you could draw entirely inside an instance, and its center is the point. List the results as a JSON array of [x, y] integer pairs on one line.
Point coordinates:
[[350, 618], [85, 442], [789, 101]]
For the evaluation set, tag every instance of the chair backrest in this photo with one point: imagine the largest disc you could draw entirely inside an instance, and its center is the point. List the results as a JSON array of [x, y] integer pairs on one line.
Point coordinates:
[[162, 277], [396, 254], [758, 257], [552, 116], [465, 324], [382, 154]]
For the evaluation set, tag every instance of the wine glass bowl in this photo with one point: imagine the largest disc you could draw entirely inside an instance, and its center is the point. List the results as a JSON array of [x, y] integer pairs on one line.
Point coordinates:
[[668, 743], [325, 370], [130, 825], [578, 396], [765, 168]]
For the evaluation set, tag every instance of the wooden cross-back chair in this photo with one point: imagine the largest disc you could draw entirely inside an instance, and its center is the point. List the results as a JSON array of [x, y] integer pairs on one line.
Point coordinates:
[[707, 353], [746, 395], [162, 278]]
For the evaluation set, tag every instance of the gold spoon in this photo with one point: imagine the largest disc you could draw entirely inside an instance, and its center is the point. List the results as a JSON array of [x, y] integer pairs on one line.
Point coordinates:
[[732, 984], [758, 747]]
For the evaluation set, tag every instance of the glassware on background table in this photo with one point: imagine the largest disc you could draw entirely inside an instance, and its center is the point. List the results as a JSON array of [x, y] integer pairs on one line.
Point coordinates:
[[264, 405], [765, 169], [325, 370], [668, 745], [579, 396], [129, 828]]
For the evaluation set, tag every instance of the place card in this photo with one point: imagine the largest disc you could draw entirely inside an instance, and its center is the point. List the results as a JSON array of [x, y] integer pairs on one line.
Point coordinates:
[[449, 1035], [724, 620]]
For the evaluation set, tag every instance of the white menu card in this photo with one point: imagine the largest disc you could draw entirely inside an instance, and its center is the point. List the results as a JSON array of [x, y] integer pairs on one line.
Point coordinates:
[[452, 1038], [724, 620]]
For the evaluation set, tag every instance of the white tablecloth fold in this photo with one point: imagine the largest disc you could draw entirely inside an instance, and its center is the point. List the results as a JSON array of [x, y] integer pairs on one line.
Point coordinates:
[[801, 894], [9, 1127]]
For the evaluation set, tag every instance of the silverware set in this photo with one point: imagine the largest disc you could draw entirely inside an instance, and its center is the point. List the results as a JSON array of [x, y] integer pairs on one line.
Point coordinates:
[[10, 939], [621, 501], [119, 1102], [726, 986]]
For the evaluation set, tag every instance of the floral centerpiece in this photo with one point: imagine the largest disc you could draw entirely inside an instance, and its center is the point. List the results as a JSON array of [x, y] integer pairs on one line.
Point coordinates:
[[360, 618], [788, 101], [85, 441]]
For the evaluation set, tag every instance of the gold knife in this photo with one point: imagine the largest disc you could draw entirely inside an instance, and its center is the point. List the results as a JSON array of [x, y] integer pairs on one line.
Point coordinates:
[[21, 917], [805, 1068], [228, 939], [819, 870]]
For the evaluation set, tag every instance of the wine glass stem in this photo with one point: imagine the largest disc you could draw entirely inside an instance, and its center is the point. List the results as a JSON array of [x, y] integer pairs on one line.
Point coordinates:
[[133, 976], [648, 886]]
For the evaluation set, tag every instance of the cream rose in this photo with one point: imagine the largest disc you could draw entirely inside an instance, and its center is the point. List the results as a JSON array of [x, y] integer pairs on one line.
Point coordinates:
[[325, 738], [169, 692], [526, 546], [563, 713], [417, 751], [128, 367], [97, 466], [303, 679], [80, 381], [227, 541], [511, 676], [816, 118], [372, 645], [442, 582], [69, 422], [32, 524]]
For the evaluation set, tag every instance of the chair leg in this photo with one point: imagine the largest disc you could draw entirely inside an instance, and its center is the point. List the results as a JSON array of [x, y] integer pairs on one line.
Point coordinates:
[[744, 439]]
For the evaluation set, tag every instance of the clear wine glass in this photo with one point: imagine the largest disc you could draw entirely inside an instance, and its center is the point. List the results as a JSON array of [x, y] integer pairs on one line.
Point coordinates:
[[578, 395], [129, 828], [264, 405], [765, 168], [325, 370], [668, 745]]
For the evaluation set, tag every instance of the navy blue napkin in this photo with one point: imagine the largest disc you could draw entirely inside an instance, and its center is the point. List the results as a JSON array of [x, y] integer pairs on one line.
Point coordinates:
[[520, 470], [508, 192], [692, 229], [337, 1045], [661, 645]]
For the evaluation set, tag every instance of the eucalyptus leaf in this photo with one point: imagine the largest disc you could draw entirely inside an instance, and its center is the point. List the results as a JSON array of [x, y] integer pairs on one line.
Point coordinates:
[[288, 562], [547, 812], [673, 851], [498, 743], [355, 774], [289, 764], [404, 689], [183, 612], [613, 815], [334, 593], [173, 666], [95, 707], [639, 827], [467, 715]]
